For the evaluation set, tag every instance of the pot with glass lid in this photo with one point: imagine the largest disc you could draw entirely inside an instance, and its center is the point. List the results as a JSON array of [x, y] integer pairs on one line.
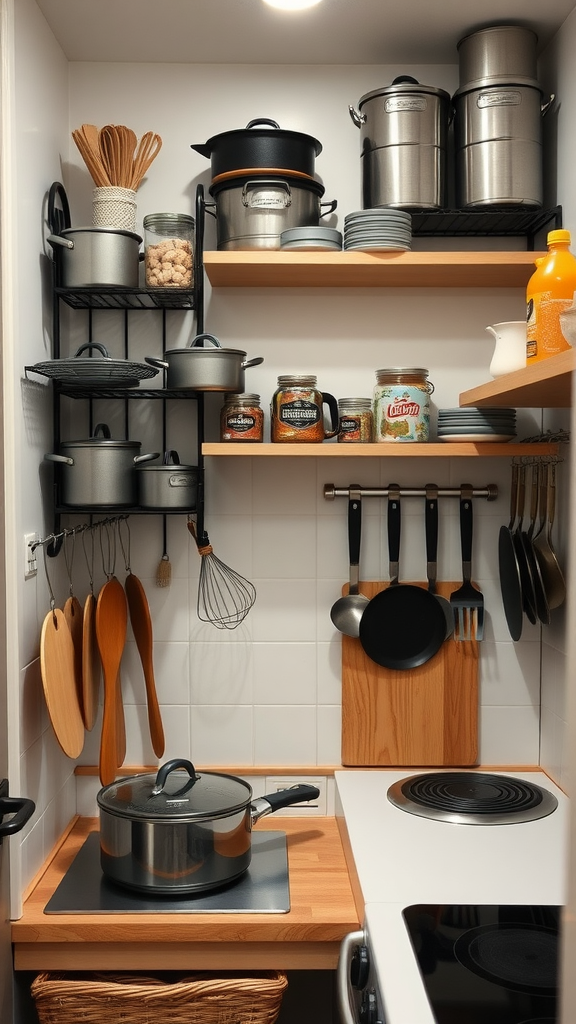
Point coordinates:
[[180, 831]]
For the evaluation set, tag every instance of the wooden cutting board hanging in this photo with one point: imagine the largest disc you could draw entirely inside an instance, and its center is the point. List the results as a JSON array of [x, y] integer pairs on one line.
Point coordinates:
[[415, 717], [59, 683]]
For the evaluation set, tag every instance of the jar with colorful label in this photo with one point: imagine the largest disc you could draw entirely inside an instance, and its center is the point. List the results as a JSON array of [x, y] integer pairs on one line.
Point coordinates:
[[402, 404], [356, 421], [241, 418], [297, 411]]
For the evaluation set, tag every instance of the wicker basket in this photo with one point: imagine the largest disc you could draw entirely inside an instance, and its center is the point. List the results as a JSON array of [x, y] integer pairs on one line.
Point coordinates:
[[229, 998]]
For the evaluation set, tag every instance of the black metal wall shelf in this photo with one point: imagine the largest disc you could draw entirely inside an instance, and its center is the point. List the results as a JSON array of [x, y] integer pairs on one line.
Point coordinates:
[[127, 298], [501, 222], [160, 394]]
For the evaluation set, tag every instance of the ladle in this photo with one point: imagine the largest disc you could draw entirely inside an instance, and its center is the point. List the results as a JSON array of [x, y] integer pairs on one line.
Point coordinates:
[[347, 611], [551, 573]]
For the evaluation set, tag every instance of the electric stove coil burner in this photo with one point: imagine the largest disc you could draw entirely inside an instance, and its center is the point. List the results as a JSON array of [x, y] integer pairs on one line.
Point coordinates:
[[472, 798], [521, 957]]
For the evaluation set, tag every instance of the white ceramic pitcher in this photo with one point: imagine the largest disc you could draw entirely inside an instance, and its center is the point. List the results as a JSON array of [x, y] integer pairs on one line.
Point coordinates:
[[510, 349]]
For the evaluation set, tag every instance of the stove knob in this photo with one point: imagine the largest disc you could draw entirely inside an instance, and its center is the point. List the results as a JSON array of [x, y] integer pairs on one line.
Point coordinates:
[[368, 1013], [359, 967]]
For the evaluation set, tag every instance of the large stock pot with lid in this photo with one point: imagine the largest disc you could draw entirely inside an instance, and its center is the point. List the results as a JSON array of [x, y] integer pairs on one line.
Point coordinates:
[[182, 831]]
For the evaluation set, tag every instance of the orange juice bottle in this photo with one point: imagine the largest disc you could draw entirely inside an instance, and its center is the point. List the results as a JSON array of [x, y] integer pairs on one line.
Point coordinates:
[[550, 290]]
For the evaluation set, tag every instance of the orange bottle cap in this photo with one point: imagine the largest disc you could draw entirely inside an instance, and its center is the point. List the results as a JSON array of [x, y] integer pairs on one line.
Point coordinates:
[[559, 235]]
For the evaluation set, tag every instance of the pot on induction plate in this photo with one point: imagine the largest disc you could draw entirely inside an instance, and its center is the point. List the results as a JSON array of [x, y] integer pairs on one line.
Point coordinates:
[[252, 212], [176, 833], [261, 144], [168, 487], [99, 471], [199, 368]]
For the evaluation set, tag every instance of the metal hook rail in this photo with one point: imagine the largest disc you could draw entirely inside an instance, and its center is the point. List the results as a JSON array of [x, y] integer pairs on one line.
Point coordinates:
[[490, 492], [52, 538]]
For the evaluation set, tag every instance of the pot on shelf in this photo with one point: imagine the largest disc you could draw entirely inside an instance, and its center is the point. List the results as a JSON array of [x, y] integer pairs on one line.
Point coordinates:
[[196, 368], [168, 487], [173, 833], [97, 257], [99, 471], [252, 212], [261, 144]]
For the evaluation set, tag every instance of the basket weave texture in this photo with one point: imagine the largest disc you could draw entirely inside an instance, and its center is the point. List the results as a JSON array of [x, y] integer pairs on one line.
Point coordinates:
[[229, 998]]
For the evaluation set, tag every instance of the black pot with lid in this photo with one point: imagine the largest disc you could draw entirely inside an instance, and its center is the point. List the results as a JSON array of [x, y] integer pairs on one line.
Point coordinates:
[[261, 144]]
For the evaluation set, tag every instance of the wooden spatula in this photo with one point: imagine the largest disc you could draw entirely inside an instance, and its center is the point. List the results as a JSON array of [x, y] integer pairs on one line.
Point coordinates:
[[59, 683], [111, 622], [91, 664], [142, 626], [74, 614]]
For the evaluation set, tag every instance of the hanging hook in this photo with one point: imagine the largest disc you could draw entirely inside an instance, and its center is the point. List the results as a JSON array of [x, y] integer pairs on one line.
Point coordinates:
[[50, 591], [125, 550], [69, 558]]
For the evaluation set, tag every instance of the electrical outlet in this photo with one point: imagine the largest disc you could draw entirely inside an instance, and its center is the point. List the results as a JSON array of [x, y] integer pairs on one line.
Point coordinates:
[[30, 559], [276, 783]]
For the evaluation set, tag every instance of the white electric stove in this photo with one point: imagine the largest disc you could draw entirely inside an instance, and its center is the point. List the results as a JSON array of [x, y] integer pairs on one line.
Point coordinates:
[[441, 893]]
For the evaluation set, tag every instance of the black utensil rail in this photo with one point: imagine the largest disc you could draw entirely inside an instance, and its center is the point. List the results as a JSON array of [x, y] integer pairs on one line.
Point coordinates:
[[129, 301]]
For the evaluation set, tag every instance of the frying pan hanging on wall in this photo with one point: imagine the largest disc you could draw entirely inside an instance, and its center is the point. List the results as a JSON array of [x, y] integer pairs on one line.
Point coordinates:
[[403, 626]]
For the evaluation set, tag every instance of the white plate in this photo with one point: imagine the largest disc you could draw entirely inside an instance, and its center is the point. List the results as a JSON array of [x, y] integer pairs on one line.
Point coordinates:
[[378, 248]]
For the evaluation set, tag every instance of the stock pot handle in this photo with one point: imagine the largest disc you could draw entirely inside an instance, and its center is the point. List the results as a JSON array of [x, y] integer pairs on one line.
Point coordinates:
[[103, 430], [203, 337], [332, 204], [263, 120], [170, 766], [252, 362]]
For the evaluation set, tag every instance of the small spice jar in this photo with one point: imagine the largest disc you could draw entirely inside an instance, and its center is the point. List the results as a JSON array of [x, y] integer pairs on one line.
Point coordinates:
[[356, 420], [297, 410], [168, 250], [241, 418], [402, 404]]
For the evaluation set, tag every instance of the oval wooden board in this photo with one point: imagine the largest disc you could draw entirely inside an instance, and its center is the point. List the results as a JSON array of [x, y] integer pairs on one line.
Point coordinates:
[[59, 683]]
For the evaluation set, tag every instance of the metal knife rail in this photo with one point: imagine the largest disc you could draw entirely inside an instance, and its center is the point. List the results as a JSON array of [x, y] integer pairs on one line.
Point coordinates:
[[490, 492]]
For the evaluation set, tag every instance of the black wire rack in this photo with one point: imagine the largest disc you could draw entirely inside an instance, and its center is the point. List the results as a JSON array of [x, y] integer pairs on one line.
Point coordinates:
[[504, 222]]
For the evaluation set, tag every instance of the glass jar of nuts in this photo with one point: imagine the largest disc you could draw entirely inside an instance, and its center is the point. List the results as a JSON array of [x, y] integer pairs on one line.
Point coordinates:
[[169, 250]]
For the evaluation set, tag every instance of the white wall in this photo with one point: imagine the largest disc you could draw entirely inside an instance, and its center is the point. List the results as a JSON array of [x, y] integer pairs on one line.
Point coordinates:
[[268, 693]]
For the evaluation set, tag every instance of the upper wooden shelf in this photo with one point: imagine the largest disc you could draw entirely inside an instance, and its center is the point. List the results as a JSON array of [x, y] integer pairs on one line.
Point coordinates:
[[544, 385], [425, 450], [262, 269]]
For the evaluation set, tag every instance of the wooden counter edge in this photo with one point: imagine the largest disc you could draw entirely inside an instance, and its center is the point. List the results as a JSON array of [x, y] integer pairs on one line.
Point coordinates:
[[308, 937]]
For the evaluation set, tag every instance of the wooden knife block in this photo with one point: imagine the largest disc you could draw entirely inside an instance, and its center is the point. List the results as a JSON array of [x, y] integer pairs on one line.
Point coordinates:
[[415, 717]]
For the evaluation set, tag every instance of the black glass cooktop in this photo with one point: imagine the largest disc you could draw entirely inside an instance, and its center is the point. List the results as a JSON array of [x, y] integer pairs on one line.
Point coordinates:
[[487, 964]]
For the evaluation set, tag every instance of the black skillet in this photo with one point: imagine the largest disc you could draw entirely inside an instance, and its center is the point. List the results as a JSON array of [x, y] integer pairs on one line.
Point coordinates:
[[509, 562], [538, 498], [403, 626]]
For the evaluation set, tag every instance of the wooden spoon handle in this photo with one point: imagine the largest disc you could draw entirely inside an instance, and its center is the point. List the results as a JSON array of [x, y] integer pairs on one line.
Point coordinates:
[[142, 628], [120, 725], [111, 621]]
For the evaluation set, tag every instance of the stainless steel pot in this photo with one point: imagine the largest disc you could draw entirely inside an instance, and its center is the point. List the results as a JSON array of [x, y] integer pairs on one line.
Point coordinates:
[[175, 834], [252, 213], [262, 143], [404, 130], [102, 257], [99, 471], [196, 368], [498, 142], [169, 486], [497, 52]]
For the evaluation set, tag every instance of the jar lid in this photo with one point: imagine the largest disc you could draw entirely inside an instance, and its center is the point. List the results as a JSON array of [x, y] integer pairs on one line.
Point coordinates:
[[412, 370], [156, 220], [297, 378], [354, 403], [243, 397]]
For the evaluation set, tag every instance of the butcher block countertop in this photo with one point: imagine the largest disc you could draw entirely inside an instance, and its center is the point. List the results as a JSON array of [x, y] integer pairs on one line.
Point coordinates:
[[308, 937]]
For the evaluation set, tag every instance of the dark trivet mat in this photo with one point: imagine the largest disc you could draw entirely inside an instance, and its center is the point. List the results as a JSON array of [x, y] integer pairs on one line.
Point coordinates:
[[262, 890]]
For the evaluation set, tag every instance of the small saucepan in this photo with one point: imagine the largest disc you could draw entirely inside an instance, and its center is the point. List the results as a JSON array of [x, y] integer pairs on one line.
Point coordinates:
[[175, 833], [200, 368], [169, 486], [404, 625]]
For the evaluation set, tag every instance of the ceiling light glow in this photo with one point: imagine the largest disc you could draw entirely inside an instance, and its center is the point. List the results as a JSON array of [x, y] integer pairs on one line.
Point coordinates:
[[292, 5]]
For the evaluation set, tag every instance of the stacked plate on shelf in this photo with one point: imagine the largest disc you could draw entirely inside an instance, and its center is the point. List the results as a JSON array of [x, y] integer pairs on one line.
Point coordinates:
[[316, 238], [378, 230], [476, 424]]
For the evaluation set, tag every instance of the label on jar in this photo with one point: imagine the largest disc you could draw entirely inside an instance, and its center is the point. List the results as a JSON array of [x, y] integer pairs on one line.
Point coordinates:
[[299, 414], [402, 413], [240, 423]]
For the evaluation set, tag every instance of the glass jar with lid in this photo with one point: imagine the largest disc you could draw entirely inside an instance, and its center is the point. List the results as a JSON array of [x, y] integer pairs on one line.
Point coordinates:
[[241, 418], [297, 410], [169, 250], [402, 404], [356, 420]]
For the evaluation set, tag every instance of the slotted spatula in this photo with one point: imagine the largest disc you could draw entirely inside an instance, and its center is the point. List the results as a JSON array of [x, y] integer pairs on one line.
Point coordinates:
[[467, 602]]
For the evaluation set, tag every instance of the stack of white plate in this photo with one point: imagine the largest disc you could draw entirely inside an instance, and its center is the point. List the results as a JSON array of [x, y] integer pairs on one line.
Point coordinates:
[[377, 230], [476, 424], [311, 239]]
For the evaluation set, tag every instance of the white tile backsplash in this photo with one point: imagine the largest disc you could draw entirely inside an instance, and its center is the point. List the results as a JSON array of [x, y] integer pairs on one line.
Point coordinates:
[[285, 674], [510, 735], [285, 734]]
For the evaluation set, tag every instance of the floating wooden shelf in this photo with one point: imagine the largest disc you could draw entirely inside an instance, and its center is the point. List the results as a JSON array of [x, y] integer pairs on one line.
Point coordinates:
[[262, 269], [545, 385], [392, 450]]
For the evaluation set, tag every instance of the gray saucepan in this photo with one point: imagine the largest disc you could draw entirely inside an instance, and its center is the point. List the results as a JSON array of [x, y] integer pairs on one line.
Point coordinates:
[[200, 368], [175, 833]]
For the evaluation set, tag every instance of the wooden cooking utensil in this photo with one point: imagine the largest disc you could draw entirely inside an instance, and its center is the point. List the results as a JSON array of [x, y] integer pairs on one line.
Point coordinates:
[[91, 664], [110, 153], [142, 627], [92, 160], [111, 622], [59, 683], [74, 614], [146, 151]]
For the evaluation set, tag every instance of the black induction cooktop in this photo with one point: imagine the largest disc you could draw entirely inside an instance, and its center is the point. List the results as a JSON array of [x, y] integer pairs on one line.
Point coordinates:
[[487, 964]]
